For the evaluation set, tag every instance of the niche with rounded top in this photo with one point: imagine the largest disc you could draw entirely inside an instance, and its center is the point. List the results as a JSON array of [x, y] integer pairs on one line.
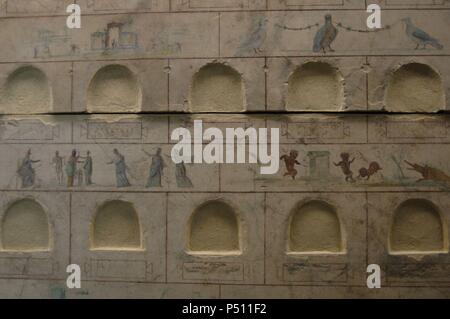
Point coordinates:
[[315, 228], [214, 229], [114, 89], [27, 91], [415, 87], [217, 88], [25, 227], [116, 227], [417, 227], [315, 86]]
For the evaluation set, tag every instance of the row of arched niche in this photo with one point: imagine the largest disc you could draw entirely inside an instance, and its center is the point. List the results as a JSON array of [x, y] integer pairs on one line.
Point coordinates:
[[216, 87], [215, 227]]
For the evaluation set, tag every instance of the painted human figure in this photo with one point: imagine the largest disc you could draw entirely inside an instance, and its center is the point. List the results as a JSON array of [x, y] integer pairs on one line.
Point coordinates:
[[58, 162], [88, 168], [79, 177], [71, 168], [290, 161], [121, 169], [345, 164], [156, 169], [180, 174], [26, 171]]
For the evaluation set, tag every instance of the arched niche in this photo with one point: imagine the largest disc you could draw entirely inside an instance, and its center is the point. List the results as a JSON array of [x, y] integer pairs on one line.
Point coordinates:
[[27, 91], [116, 227], [25, 227], [217, 88], [214, 228], [415, 87], [315, 228], [417, 226], [114, 88], [315, 86]]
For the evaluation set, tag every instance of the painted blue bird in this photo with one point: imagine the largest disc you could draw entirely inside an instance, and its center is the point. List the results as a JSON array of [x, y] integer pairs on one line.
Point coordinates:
[[255, 39], [325, 36], [420, 37]]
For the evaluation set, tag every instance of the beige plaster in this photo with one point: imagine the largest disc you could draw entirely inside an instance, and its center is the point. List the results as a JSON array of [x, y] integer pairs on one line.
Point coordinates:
[[315, 227], [417, 227], [27, 90], [217, 88], [116, 226], [315, 86], [415, 87], [114, 88], [214, 228], [25, 227]]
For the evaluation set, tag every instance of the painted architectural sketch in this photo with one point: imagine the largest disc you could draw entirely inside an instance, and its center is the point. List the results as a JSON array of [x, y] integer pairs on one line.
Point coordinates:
[[319, 165], [49, 44], [114, 37]]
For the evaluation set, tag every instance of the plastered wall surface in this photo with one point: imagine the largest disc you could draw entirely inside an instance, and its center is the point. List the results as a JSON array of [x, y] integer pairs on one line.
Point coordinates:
[[85, 149]]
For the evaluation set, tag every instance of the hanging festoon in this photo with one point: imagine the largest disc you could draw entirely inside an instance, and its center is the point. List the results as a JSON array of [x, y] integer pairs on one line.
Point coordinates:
[[329, 29]]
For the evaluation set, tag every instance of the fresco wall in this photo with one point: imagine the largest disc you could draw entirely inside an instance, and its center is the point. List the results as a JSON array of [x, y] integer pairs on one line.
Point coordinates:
[[85, 149]]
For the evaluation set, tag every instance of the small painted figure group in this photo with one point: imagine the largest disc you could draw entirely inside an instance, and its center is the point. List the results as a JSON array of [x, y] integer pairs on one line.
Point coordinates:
[[77, 176], [345, 165]]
